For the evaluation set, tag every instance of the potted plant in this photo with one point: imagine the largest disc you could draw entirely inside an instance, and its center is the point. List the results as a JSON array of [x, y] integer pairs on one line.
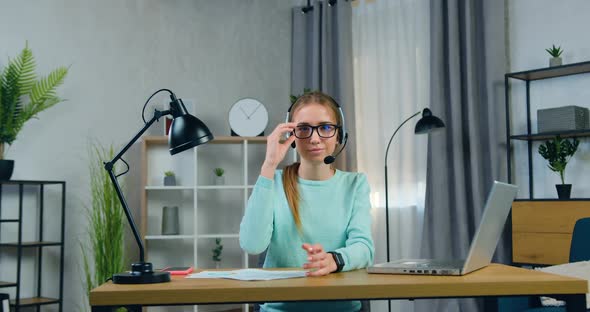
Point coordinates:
[[217, 252], [558, 152], [104, 253], [219, 178], [22, 97], [169, 178], [555, 53]]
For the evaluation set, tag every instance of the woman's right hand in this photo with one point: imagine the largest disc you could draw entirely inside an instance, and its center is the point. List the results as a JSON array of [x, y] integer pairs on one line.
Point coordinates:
[[275, 149]]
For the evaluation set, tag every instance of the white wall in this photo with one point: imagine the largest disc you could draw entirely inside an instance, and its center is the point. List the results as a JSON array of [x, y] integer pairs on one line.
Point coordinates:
[[534, 26], [119, 52]]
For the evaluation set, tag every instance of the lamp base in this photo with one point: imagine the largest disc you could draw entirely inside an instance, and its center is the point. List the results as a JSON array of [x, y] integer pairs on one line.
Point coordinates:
[[141, 273]]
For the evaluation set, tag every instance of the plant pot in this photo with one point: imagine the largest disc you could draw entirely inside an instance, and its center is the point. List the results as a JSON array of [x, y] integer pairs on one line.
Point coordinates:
[[219, 180], [170, 181], [563, 190], [6, 168], [217, 264], [555, 61]]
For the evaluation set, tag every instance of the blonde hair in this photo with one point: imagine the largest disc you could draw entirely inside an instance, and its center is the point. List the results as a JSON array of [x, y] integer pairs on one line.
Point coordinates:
[[290, 172]]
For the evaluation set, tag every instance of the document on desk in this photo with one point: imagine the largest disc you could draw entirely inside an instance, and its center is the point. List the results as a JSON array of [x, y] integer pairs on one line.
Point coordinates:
[[249, 274]]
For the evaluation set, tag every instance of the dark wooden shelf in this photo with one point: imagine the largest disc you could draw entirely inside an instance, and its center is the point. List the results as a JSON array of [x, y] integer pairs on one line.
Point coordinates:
[[7, 284], [552, 72], [30, 244], [30, 182], [551, 135], [34, 301]]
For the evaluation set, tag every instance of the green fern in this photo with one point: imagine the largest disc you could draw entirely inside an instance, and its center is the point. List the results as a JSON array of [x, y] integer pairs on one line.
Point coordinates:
[[22, 96]]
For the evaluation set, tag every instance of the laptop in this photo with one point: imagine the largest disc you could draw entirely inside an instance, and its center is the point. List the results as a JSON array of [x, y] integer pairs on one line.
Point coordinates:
[[482, 248]]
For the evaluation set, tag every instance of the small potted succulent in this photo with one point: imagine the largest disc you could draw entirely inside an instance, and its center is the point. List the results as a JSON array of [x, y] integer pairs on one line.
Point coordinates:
[[216, 257], [219, 178], [555, 53], [169, 178], [558, 152]]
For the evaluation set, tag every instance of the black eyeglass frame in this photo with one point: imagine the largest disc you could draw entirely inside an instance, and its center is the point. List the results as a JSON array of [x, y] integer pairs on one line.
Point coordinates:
[[316, 128]]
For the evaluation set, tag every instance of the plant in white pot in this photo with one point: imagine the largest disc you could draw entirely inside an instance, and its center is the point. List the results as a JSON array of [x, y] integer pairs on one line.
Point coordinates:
[[555, 53], [219, 178], [22, 97], [559, 152]]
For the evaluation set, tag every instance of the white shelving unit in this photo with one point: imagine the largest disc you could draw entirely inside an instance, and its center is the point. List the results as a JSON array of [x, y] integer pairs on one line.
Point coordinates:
[[206, 211]]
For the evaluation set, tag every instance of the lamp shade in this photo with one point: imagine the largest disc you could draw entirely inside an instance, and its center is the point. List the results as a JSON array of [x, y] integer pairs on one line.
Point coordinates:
[[187, 131], [428, 123]]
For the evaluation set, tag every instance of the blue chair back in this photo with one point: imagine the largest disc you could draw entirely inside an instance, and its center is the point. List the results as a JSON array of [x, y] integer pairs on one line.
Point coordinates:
[[580, 246]]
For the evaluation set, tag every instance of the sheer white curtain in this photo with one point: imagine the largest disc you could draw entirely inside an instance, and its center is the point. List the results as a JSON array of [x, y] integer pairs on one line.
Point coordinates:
[[391, 81]]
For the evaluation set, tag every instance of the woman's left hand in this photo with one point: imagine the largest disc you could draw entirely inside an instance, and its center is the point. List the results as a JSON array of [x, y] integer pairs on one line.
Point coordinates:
[[318, 260]]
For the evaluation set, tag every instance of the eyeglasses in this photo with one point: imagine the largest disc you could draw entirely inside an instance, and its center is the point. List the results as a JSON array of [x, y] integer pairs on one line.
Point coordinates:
[[324, 131]]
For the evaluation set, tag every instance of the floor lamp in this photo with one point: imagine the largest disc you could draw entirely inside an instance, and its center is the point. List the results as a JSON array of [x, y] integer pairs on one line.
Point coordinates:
[[426, 124]]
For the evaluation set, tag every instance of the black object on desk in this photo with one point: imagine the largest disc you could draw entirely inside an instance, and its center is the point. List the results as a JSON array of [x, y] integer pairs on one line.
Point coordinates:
[[186, 132]]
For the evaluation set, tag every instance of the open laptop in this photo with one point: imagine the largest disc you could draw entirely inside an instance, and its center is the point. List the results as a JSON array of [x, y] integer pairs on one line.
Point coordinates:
[[482, 248]]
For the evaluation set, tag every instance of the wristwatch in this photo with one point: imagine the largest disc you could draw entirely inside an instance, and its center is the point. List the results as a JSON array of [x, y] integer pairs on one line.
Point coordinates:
[[338, 259]]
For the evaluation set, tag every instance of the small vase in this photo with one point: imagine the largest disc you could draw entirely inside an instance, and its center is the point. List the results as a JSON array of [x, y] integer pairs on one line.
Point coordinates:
[[219, 180], [170, 221], [170, 181], [555, 61], [563, 190], [217, 264]]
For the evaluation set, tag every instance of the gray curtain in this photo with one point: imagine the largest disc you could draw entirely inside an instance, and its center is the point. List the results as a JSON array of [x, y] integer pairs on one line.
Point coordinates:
[[467, 70], [321, 59]]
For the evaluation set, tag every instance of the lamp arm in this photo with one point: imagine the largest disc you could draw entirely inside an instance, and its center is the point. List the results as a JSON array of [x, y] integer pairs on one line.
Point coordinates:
[[157, 115], [109, 168], [394, 133]]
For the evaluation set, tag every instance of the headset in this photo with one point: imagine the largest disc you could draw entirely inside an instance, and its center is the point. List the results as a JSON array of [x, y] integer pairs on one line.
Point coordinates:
[[342, 133]]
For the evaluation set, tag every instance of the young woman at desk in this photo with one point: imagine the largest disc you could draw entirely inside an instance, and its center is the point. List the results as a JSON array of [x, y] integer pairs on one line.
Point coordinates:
[[309, 215]]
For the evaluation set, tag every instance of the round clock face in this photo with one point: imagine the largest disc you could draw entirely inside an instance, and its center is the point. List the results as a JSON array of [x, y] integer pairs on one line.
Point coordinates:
[[248, 117]]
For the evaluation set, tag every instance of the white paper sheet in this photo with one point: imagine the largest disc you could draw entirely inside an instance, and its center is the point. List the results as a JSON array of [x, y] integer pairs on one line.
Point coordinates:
[[249, 274]]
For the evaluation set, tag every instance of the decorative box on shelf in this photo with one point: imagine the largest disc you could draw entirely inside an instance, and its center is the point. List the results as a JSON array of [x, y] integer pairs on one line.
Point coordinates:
[[562, 118]]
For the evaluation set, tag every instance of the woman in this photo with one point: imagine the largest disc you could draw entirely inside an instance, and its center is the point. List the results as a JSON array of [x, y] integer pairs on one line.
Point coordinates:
[[309, 215]]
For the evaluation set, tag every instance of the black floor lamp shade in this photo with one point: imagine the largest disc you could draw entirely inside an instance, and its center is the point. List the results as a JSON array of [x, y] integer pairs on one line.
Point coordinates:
[[428, 123]]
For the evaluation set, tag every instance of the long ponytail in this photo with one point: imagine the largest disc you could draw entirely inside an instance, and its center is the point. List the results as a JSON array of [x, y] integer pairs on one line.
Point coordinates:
[[292, 191]]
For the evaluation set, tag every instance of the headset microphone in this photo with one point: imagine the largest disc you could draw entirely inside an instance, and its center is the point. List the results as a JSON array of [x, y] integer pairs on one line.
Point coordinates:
[[330, 159]]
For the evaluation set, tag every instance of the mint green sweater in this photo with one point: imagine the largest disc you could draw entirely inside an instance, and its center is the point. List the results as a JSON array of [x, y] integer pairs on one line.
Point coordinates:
[[334, 213]]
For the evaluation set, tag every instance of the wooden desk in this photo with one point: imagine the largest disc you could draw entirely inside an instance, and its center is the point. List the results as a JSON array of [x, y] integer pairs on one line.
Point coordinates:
[[494, 280]]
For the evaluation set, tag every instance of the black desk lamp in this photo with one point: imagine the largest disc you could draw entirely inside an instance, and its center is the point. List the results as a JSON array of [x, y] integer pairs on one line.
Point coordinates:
[[186, 132], [426, 124]]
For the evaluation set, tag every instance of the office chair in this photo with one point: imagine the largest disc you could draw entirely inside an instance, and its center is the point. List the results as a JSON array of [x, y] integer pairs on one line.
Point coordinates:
[[579, 251]]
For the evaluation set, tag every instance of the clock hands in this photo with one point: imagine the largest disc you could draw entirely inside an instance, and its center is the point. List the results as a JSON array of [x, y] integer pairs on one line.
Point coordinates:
[[254, 110], [243, 111]]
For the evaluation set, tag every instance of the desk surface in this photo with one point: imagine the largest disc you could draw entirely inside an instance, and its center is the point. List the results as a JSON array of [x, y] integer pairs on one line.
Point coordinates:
[[494, 280]]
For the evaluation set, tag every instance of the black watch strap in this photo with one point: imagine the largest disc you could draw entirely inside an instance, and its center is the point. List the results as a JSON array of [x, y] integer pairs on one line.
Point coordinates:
[[338, 259]]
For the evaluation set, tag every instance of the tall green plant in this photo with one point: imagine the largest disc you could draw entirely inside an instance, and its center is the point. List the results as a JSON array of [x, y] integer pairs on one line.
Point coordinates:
[[23, 96], [104, 255], [558, 152]]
